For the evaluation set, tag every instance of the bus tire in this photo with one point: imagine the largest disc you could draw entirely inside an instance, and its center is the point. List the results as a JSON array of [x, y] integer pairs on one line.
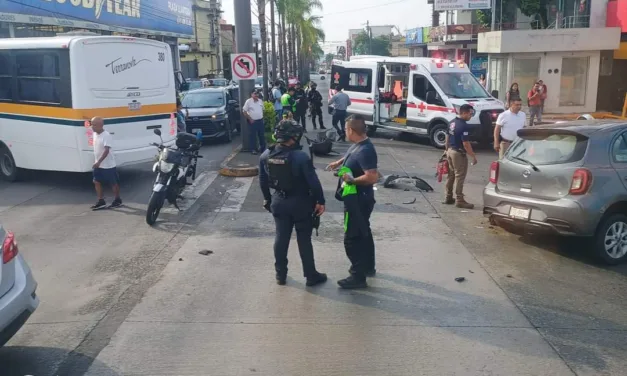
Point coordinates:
[[8, 168], [437, 135]]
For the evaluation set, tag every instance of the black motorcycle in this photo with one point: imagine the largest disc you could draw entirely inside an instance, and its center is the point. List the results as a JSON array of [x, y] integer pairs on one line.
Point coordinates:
[[173, 168]]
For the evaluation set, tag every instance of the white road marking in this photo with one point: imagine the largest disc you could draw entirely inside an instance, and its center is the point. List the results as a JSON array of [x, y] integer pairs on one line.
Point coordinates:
[[236, 196], [193, 192]]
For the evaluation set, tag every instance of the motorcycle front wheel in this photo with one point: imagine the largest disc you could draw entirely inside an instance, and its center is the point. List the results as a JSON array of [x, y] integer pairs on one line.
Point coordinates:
[[154, 207]]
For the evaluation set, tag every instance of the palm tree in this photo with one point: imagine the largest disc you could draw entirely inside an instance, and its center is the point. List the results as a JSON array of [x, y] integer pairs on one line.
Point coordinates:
[[261, 7], [281, 6], [311, 35]]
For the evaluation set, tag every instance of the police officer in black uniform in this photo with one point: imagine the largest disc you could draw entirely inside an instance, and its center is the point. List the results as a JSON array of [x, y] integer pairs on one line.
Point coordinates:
[[297, 198], [301, 105], [315, 102]]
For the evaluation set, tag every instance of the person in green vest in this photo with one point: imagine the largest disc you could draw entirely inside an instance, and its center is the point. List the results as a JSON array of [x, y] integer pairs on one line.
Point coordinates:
[[288, 102]]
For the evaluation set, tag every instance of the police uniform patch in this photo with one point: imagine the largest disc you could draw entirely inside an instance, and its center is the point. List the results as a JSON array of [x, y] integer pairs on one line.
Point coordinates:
[[277, 161]]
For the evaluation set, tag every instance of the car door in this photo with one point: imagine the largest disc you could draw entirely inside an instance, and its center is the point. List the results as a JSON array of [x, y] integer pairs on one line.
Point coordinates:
[[360, 87], [618, 156], [422, 106]]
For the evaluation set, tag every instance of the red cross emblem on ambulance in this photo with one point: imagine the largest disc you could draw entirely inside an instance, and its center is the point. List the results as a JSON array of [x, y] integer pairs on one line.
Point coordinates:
[[422, 106]]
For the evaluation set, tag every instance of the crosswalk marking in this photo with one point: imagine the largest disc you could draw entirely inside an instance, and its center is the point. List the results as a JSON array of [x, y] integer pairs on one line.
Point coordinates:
[[193, 192], [236, 195]]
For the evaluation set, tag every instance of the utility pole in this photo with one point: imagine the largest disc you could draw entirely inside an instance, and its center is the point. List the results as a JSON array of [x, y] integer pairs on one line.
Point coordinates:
[[244, 38], [493, 26], [273, 40], [369, 37]]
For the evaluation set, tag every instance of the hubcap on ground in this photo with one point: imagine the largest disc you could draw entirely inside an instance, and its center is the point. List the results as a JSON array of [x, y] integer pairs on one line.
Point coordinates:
[[6, 164], [440, 137], [616, 240]]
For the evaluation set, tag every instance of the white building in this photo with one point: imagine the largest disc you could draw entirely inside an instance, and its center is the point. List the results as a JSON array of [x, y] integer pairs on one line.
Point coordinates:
[[567, 57]]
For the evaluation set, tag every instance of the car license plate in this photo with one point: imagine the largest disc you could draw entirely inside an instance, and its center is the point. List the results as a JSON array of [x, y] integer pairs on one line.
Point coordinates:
[[519, 213], [134, 106], [196, 130]]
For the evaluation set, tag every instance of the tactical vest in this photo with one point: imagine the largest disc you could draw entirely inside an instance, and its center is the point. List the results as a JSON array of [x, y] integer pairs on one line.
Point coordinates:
[[281, 173]]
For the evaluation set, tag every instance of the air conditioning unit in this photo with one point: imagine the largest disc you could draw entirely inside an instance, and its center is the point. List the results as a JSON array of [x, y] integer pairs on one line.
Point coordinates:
[[193, 46]]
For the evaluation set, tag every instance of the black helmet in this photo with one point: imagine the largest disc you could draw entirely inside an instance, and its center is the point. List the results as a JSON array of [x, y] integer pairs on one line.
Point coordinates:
[[287, 130]]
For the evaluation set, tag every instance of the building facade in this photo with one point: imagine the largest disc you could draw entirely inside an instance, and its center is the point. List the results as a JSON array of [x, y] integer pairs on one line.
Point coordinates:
[[164, 20], [570, 56], [201, 55]]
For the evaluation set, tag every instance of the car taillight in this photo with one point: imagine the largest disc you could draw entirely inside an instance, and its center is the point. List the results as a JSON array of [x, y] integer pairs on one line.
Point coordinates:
[[494, 172], [9, 248], [582, 180]]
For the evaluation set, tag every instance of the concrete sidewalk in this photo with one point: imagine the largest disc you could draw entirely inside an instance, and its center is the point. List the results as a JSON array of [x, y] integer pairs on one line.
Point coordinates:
[[223, 314]]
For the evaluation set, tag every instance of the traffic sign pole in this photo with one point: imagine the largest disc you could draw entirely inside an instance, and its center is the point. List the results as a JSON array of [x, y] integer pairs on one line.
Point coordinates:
[[244, 43]]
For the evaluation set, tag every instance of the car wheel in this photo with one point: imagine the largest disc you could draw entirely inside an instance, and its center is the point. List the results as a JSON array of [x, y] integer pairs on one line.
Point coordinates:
[[8, 168], [611, 239], [437, 136]]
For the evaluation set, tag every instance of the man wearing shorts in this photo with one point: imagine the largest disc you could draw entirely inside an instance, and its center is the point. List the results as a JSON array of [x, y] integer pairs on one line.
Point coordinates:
[[104, 168]]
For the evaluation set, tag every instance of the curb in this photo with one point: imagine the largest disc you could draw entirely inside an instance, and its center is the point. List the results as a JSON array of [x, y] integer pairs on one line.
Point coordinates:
[[236, 172]]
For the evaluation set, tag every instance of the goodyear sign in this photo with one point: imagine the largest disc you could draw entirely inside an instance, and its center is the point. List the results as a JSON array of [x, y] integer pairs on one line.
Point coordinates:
[[156, 17]]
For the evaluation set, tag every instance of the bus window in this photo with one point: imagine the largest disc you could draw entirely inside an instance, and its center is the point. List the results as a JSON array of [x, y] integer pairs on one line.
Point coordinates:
[[38, 77], [6, 77]]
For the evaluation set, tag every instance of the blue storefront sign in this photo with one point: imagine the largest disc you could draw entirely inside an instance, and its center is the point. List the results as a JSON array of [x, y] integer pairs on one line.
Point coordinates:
[[160, 17], [413, 36], [479, 66]]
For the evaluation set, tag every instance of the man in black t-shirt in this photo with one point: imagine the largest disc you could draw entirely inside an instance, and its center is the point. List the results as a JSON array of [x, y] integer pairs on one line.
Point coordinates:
[[457, 150], [361, 158]]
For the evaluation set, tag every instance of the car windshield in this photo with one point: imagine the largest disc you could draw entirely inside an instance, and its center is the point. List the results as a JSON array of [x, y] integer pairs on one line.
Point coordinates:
[[259, 81], [195, 85], [218, 82], [203, 100], [547, 148], [460, 85]]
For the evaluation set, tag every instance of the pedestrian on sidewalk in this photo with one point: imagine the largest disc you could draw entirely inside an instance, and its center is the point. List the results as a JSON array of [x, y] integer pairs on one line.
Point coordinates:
[[301, 106], [361, 159], [340, 102], [276, 96], [512, 94], [458, 148], [507, 125], [315, 101], [297, 198], [534, 101], [104, 169], [253, 111], [544, 95]]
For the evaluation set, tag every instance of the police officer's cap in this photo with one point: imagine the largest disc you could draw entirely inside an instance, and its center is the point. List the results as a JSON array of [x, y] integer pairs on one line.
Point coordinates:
[[287, 130]]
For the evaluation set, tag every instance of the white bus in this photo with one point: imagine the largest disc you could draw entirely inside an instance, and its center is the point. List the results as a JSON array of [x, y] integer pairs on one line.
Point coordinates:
[[51, 87]]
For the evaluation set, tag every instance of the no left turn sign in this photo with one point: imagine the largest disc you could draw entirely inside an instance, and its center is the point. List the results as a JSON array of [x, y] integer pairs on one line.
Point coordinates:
[[244, 66]]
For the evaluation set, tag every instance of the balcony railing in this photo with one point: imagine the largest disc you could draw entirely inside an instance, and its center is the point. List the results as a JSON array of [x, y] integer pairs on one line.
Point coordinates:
[[570, 22]]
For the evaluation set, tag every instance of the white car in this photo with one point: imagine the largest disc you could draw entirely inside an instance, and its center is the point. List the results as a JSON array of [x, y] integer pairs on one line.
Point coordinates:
[[18, 298]]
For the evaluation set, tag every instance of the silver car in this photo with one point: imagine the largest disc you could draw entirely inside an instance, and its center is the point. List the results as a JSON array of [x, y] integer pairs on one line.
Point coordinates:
[[568, 179], [18, 299]]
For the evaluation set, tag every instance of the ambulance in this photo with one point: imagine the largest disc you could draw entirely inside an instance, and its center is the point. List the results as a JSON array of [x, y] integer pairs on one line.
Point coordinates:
[[415, 95]]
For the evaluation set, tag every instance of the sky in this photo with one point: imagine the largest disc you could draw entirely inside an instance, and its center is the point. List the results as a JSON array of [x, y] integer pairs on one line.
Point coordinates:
[[341, 15]]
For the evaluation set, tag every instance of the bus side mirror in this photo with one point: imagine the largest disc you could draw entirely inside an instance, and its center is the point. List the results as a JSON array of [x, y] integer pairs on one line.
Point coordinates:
[[184, 86]]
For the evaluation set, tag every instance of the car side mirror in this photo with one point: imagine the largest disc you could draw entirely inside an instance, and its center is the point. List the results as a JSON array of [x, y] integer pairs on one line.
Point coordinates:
[[184, 86], [232, 102], [157, 132]]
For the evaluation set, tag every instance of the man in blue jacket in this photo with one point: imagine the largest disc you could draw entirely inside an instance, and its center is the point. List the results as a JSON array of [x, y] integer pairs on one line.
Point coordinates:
[[297, 198]]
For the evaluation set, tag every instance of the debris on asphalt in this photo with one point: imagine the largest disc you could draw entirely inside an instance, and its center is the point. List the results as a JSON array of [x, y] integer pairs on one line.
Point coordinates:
[[471, 272], [410, 202], [460, 279], [180, 259], [478, 226], [509, 276], [464, 211], [407, 183], [205, 252]]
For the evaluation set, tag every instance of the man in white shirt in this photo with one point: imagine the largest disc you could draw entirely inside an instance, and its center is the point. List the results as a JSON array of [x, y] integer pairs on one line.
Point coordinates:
[[253, 111], [507, 125], [105, 171]]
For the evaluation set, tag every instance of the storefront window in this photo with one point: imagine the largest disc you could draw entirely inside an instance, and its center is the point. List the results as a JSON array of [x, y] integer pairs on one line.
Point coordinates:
[[574, 81], [526, 73]]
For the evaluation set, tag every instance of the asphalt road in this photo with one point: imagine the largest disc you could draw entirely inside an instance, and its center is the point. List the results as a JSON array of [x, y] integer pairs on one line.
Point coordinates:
[[120, 298], [92, 267]]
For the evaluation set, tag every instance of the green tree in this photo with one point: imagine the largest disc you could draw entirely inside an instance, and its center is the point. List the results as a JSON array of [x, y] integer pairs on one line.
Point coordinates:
[[536, 9], [328, 58], [380, 45]]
